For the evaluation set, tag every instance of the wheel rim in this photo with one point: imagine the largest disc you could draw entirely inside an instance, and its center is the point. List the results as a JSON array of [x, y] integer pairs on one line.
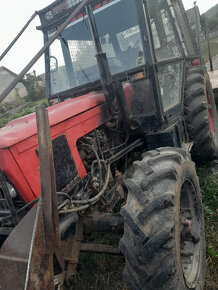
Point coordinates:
[[210, 115], [190, 234]]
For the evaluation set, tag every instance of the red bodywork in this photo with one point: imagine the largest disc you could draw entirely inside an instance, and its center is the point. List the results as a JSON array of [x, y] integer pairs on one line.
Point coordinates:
[[18, 140]]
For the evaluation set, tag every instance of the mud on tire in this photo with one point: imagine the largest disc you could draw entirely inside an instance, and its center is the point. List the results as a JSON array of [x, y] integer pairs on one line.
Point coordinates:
[[201, 114], [152, 223]]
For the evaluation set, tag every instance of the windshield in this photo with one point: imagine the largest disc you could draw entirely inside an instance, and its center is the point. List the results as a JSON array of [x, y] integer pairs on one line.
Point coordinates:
[[73, 61]]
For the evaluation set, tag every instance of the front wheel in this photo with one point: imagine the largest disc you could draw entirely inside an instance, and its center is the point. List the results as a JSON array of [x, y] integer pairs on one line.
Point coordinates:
[[163, 241]]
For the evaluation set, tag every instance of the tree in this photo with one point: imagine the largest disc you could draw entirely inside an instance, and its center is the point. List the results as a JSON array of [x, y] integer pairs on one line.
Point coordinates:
[[212, 22], [34, 89]]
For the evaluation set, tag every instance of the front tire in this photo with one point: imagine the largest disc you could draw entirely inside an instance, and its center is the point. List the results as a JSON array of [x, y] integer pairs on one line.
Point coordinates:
[[163, 190]]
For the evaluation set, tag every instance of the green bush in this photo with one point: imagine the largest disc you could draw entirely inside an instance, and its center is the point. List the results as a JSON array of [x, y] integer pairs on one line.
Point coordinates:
[[3, 122], [24, 112], [34, 89], [2, 109], [44, 103]]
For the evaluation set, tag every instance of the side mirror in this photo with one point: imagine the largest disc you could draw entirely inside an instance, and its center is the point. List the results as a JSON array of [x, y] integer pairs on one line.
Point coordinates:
[[53, 64]]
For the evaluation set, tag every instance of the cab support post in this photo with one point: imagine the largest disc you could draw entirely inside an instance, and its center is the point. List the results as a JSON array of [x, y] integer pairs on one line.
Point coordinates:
[[103, 66]]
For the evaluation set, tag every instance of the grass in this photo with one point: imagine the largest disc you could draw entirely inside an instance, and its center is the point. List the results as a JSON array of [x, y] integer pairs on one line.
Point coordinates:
[[104, 272], [97, 271], [101, 271], [214, 48], [208, 175]]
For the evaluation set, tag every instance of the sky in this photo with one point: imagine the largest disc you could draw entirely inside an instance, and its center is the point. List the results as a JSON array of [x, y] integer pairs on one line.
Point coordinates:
[[13, 16]]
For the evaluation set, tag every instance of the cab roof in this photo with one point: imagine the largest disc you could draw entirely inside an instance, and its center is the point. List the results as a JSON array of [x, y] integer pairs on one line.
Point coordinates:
[[59, 10]]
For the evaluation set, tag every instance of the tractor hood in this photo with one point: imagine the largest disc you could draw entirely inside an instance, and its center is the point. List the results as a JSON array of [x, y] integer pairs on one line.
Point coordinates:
[[17, 130]]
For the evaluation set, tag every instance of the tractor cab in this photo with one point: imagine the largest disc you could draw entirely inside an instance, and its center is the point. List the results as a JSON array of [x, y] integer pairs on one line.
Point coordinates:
[[146, 44], [73, 53], [72, 56]]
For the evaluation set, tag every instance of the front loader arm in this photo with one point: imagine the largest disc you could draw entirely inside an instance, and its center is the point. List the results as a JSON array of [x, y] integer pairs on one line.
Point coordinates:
[[26, 257]]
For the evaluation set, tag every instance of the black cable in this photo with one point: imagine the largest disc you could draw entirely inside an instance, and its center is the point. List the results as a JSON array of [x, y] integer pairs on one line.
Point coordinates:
[[64, 194], [87, 203], [126, 150], [115, 157], [98, 144], [119, 146], [97, 158]]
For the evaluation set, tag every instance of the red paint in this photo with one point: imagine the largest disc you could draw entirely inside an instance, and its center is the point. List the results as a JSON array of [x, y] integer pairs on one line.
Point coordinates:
[[10, 167], [80, 16], [97, 6], [25, 127], [128, 91], [210, 115], [18, 140], [196, 62]]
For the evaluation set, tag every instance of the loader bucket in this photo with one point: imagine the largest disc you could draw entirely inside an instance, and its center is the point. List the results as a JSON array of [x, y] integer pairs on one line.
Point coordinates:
[[22, 257], [26, 257]]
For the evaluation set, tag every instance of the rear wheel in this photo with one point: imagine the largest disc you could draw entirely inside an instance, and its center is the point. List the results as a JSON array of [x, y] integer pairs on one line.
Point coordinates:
[[163, 241], [201, 115]]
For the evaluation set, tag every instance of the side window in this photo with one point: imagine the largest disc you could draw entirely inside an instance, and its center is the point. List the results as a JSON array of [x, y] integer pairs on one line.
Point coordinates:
[[182, 25], [170, 77], [165, 42], [58, 72]]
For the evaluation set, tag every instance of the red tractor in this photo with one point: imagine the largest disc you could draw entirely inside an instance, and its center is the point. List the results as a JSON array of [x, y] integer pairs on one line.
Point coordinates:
[[129, 105]]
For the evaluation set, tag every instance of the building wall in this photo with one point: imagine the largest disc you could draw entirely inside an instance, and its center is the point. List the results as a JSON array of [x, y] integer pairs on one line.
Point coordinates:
[[5, 79]]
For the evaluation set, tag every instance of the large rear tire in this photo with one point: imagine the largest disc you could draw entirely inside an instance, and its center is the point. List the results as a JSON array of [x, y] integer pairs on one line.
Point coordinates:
[[201, 115], [163, 192]]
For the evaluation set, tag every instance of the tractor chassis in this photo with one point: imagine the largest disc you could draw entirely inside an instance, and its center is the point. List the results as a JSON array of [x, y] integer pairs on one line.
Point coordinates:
[[27, 256]]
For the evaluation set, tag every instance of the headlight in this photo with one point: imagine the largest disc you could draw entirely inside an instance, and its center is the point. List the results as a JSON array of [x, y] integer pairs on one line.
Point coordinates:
[[12, 191]]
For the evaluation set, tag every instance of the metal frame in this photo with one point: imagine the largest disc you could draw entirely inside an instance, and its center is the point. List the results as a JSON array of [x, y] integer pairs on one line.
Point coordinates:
[[172, 114], [148, 47], [102, 61], [195, 55], [47, 70]]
